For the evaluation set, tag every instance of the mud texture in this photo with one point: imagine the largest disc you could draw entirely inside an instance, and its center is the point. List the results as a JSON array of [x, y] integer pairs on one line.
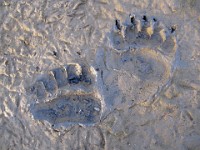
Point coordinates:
[[99, 75]]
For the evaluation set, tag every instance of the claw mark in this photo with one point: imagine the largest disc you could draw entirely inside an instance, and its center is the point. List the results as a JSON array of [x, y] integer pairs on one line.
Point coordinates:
[[117, 23], [173, 29], [145, 18]]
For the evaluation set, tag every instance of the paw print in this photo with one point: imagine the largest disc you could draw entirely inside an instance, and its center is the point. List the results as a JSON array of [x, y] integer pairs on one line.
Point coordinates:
[[66, 96], [141, 52]]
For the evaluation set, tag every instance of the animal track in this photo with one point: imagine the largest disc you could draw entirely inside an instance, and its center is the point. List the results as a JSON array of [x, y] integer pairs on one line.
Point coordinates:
[[144, 64], [70, 109], [143, 56], [142, 33], [56, 105]]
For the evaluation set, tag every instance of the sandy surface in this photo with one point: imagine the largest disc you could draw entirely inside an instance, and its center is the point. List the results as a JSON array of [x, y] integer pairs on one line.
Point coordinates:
[[100, 74]]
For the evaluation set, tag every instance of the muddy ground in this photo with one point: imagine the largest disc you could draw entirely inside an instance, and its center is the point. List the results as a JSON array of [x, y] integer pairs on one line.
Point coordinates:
[[100, 74]]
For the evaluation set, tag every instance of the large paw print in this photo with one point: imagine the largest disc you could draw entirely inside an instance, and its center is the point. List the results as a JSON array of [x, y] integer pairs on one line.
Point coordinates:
[[143, 56], [66, 96]]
